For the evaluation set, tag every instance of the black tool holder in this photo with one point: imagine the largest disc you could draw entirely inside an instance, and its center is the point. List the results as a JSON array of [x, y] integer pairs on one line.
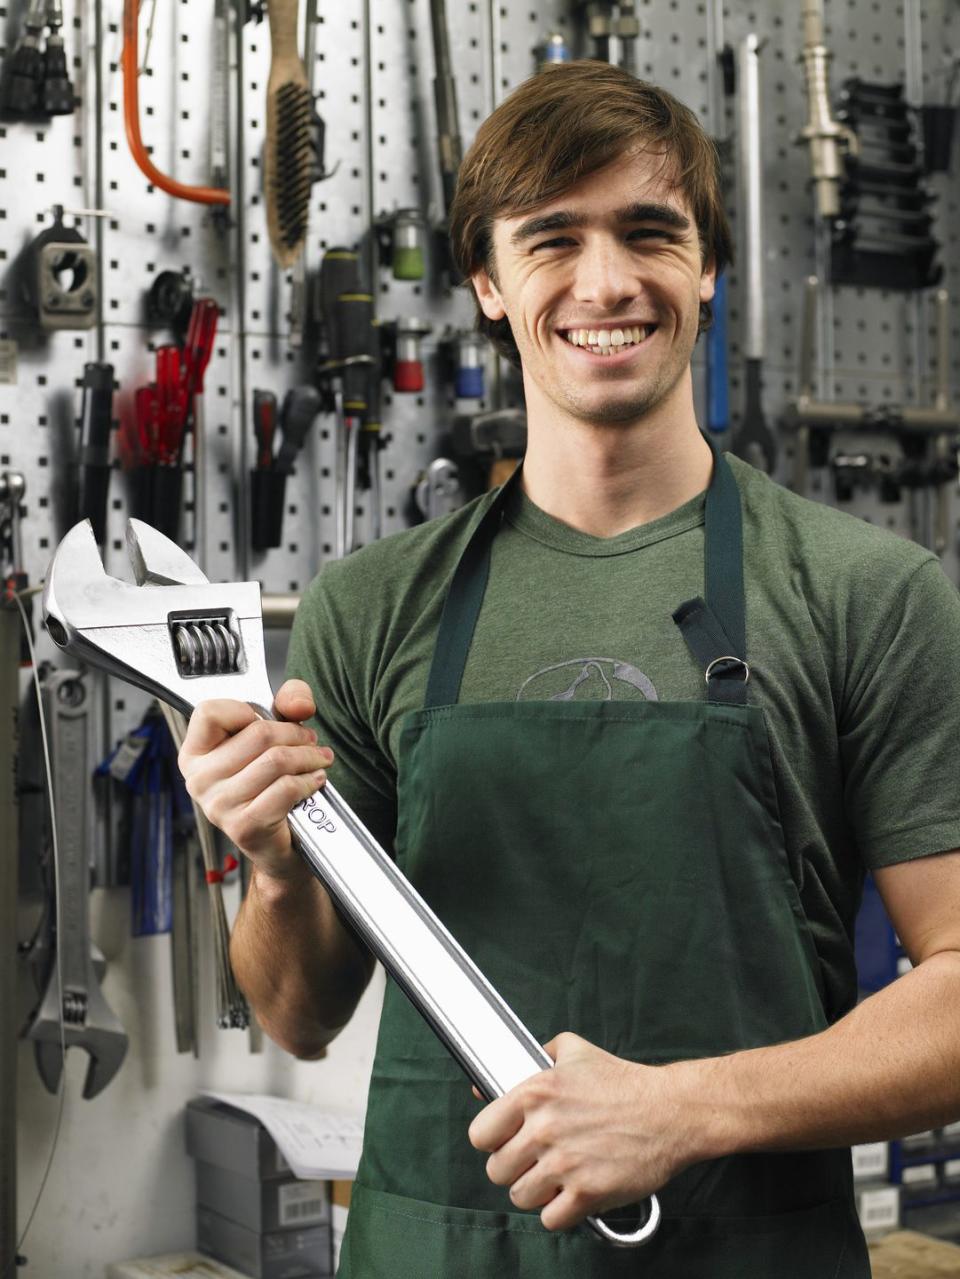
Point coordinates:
[[883, 236]]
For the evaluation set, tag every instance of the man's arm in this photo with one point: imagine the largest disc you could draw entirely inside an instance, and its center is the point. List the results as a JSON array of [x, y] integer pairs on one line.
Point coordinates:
[[890, 1067], [301, 969]]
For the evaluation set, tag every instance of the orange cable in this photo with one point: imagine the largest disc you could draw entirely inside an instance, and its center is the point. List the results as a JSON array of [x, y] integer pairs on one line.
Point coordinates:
[[131, 119]]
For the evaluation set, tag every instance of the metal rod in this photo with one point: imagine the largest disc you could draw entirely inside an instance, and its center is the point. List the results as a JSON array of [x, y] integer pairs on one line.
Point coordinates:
[[751, 179], [9, 852]]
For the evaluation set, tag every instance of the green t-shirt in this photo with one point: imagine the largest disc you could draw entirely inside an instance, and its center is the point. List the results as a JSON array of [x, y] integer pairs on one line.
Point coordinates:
[[853, 640]]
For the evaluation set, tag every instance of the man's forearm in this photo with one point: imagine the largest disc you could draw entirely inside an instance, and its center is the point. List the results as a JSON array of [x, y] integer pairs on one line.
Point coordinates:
[[301, 970], [889, 1068]]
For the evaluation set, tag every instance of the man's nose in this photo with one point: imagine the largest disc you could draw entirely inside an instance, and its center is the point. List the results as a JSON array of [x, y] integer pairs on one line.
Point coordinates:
[[607, 274]]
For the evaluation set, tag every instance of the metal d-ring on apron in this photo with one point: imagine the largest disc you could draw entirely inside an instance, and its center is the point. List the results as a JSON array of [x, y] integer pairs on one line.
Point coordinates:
[[617, 869]]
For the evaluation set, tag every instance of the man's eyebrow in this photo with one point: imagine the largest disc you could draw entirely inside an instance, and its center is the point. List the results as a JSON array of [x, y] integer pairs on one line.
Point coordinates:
[[562, 220]]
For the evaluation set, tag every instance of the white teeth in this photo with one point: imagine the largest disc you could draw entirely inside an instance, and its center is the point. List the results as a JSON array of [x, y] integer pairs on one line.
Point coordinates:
[[608, 341]]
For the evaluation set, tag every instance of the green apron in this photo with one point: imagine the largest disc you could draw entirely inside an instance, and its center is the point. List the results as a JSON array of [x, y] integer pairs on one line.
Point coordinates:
[[618, 870]]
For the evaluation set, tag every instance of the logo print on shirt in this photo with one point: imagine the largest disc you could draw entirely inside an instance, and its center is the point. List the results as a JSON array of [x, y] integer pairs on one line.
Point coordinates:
[[587, 679]]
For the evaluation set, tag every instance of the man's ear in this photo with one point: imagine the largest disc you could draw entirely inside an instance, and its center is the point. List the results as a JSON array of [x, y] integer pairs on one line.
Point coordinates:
[[488, 295], [708, 281]]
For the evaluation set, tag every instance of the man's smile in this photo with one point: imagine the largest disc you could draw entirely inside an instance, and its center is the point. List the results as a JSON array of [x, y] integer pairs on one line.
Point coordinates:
[[616, 343]]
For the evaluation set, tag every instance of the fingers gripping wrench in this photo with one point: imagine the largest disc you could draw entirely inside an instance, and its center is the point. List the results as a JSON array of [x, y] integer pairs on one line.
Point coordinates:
[[184, 639], [73, 991]]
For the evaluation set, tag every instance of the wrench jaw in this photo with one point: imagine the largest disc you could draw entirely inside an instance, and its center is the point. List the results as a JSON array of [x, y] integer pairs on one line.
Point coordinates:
[[130, 631], [98, 1032], [158, 560]]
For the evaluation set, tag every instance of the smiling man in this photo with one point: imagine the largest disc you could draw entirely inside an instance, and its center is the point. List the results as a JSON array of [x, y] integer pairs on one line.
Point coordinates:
[[636, 724]]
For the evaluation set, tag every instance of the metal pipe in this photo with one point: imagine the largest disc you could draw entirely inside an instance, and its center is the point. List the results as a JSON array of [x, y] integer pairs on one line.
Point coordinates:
[[9, 851], [808, 412], [827, 139], [751, 192]]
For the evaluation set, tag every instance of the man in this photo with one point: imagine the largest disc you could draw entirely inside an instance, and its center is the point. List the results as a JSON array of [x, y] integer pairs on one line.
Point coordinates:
[[638, 773]]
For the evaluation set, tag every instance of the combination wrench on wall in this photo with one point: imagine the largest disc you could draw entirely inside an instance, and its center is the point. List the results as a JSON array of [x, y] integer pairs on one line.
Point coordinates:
[[184, 639]]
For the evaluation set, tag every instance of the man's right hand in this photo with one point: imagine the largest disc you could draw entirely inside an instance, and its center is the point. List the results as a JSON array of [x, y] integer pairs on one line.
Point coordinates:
[[247, 773]]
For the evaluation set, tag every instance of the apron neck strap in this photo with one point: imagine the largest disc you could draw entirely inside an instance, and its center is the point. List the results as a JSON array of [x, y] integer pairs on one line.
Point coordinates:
[[715, 629]]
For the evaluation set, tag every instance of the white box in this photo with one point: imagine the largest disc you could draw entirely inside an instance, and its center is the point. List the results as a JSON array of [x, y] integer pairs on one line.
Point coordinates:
[[919, 1175], [871, 1161], [879, 1209]]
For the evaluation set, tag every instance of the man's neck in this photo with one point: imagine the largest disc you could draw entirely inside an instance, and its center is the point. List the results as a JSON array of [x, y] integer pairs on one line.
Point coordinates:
[[606, 479]]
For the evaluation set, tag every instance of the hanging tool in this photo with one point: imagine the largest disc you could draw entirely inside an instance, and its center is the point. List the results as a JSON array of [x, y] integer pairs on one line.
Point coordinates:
[[57, 92], [131, 120], [613, 28], [449, 146], [439, 491], [13, 487], [754, 440], [408, 334], [829, 141], [96, 425], [37, 81], [197, 350], [301, 407], [718, 382], [883, 235], [76, 1009], [192, 639], [470, 352], [402, 236], [12, 818], [288, 154], [349, 340], [491, 443], [184, 949], [60, 277], [944, 448], [552, 51], [220, 98], [24, 70], [170, 300]]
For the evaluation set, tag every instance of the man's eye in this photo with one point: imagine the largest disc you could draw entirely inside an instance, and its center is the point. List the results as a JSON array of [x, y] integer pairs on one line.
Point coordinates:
[[650, 233], [559, 241]]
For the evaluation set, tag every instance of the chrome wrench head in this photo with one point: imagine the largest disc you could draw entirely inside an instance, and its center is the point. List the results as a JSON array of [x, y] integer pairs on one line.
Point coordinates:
[[176, 635]]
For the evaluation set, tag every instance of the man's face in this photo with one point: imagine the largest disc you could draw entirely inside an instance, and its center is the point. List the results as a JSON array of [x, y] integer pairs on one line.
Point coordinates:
[[602, 288]]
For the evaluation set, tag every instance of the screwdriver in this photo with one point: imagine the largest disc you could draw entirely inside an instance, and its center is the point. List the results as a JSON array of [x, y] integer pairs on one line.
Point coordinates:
[[97, 417], [264, 427], [301, 407], [198, 348]]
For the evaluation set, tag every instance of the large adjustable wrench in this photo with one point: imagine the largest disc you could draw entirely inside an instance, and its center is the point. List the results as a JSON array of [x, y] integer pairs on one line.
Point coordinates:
[[184, 639], [73, 994]]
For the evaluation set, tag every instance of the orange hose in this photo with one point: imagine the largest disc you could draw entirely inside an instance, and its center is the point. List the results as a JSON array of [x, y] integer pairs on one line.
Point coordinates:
[[131, 120]]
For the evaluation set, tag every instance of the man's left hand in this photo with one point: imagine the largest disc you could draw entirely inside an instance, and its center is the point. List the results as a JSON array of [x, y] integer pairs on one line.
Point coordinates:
[[593, 1133]]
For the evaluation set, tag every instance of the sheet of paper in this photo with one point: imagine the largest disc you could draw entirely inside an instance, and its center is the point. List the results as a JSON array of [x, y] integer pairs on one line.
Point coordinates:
[[315, 1143]]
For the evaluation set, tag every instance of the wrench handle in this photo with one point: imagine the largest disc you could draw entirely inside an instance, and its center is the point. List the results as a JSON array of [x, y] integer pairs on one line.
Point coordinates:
[[470, 1018]]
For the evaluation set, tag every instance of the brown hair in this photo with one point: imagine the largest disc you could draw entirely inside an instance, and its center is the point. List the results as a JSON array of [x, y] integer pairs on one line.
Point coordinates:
[[556, 128]]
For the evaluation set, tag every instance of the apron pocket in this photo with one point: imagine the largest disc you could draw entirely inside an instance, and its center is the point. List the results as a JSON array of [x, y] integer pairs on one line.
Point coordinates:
[[393, 1237]]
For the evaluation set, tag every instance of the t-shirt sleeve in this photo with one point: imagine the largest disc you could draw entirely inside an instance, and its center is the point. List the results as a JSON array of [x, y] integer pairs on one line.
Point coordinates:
[[900, 724], [323, 655]]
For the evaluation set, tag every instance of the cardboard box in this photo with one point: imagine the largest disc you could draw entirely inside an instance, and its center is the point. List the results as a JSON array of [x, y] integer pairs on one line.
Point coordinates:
[[281, 1203], [908, 1255], [281, 1254], [173, 1265], [228, 1138]]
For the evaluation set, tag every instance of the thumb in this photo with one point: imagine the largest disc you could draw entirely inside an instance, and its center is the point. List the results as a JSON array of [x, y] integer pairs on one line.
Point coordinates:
[[294, 700]]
